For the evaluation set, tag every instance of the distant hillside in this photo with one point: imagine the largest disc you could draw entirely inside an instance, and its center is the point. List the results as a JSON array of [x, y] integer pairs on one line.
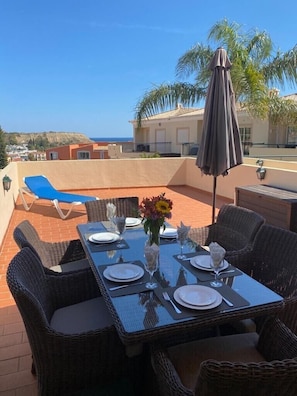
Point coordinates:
[[54, 138]]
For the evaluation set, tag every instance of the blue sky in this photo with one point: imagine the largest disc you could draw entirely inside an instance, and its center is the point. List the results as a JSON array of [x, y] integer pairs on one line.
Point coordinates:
[[82, 65]]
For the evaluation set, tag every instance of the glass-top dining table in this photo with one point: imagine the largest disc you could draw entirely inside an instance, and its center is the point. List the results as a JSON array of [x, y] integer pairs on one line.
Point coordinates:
[[141, 315]]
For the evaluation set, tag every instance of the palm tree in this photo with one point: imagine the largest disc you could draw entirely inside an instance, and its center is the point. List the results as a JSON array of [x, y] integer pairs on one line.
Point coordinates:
[[3, 156], [256, 69]]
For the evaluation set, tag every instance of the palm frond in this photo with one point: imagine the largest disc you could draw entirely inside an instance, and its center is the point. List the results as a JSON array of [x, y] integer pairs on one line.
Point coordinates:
[[195, 61], [282, 68], [259, 47], [167, 96]]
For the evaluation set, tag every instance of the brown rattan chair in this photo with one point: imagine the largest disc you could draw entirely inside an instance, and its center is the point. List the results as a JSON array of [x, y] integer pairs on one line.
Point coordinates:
[[127, 206], [71, 333], [274, 264], [235, 230], [235, 365], [63, 256]]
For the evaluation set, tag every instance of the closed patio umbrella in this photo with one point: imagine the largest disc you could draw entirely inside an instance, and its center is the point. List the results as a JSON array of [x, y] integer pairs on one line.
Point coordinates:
[[220, 147]]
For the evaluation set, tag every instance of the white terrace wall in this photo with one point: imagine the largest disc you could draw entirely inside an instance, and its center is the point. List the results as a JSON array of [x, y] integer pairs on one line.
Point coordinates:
[[138, 172], [7, 198]]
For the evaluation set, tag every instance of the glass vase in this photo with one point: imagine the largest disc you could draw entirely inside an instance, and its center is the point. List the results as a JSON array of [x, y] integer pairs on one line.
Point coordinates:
[[154, 233]]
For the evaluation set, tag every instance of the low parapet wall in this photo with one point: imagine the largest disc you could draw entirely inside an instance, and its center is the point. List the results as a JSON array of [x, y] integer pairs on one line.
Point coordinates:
[[140, 172]]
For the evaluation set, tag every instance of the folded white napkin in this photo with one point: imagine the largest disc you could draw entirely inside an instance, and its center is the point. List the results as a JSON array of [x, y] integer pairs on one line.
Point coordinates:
[[182, 231], [110, 210], [217, 252]]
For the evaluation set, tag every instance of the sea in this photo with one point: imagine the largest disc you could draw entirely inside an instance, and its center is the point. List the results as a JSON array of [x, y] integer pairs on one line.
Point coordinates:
[[112, 139]]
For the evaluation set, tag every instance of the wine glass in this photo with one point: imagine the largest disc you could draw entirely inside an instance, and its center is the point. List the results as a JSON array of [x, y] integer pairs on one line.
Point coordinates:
[[120, 222], [151, 264], [216, 262], [181, 238]]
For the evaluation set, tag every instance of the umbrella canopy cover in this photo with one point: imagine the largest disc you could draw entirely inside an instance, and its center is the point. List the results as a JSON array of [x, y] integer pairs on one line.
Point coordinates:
[[220, 147]]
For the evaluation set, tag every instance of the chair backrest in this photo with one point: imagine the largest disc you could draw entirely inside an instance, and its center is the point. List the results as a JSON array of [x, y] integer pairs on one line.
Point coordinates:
[[274, 264], [27, 283], [242, 220], [25, 235], [275, 259], [127, 206]]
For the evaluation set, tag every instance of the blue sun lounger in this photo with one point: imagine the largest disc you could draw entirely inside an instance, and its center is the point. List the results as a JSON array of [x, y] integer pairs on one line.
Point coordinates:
[[39, 187]]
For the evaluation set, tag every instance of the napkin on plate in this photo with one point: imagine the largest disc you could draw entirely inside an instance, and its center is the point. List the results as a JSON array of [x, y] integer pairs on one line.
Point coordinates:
[[182, 231], [110, 210], [217, 252]]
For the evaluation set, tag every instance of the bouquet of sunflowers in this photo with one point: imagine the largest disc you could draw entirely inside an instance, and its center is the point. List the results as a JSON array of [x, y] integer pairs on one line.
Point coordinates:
[[154, 211]]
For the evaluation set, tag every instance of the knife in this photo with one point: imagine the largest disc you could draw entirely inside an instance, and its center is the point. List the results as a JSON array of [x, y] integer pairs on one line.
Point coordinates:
[[228, 302], [122, 286]]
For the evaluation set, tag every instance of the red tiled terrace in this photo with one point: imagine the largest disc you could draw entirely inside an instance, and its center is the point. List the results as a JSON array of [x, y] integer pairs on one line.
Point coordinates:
[[192, 206]]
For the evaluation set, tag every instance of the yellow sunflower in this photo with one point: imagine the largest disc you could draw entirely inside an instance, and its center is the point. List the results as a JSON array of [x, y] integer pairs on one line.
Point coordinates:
[[163, 207]]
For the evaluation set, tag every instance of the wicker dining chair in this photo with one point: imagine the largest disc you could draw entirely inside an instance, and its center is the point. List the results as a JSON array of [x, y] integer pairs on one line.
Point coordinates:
[[63, 256], [127, 206], [235, 365], [235, 230], [71, 333], [274, 265]]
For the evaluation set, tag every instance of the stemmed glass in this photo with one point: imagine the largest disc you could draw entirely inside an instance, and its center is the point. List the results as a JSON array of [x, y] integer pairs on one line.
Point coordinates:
[[216, 264], [182, 235], [120, 222], [181, 240], [217, 255], [151, 264]]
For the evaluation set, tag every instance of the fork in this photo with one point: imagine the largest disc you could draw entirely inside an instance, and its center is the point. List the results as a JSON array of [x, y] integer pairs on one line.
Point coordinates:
[[167, 298]]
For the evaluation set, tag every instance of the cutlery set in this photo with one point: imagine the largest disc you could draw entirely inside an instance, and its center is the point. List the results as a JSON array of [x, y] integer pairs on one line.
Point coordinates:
[[122, 286], [165, 294]]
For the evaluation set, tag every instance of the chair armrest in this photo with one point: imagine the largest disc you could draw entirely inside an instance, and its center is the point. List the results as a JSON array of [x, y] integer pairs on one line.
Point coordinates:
[[238, 250], [242, 258], [73, 287], [199, 235], [277, 341], [289, 314], [167, 377], [66, 251], [276, 377]]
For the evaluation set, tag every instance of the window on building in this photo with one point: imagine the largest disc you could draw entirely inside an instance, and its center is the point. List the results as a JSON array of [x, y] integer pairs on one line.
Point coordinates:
[[246, 135], [246, 139], [83, 155], [53, 155], [292, 135], [182, 135]]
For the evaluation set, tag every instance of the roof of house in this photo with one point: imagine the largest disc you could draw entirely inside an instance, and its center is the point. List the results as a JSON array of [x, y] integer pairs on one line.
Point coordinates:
[[180, 112]]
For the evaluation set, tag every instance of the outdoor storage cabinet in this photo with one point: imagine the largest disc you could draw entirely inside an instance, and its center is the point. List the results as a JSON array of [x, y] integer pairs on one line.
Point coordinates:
[[276, 205]]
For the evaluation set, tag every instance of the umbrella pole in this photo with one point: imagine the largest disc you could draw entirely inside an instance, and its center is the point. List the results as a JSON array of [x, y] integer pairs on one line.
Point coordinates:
[[214, 198]]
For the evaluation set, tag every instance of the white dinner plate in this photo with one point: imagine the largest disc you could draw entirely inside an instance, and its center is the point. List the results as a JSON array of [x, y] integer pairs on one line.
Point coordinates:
[[197, 295], [215, 304], [168, 233], [202, 262], [103, 237], [123, 272], [132, 221]]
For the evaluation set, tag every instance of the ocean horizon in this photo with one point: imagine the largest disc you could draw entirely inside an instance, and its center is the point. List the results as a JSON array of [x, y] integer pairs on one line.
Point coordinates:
[[112, 139]]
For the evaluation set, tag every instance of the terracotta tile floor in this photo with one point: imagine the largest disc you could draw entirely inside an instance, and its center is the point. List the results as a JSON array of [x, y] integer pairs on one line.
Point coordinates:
[[191, 206]]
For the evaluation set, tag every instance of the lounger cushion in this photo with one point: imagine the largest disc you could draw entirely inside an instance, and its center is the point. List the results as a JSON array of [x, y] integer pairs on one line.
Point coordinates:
[[82, 317], [43, 189]]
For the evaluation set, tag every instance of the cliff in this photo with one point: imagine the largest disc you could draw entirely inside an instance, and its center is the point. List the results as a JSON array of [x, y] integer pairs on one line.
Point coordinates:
[[54, 138]]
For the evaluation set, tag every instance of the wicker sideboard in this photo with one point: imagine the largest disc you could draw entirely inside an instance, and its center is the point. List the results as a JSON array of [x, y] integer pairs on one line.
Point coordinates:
[[278, 206]]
